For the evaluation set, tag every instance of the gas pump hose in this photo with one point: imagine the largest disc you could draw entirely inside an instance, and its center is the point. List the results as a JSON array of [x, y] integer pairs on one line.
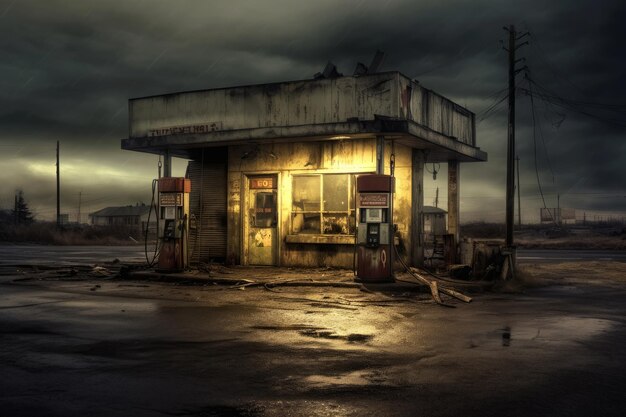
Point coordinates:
[[156, 243]]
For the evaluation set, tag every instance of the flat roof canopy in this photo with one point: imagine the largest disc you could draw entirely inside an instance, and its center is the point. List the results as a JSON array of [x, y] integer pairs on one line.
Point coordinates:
[[384, 104]]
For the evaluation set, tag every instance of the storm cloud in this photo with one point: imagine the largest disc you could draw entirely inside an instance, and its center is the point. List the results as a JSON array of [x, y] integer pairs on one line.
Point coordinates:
[[69, 68]]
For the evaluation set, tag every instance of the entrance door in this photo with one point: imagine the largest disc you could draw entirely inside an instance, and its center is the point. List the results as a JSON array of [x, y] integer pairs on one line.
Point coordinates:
[[262, 220]]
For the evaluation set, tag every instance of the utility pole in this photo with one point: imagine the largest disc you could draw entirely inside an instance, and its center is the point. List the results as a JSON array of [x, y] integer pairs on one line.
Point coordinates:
[[437, 197], [558, 209], [58, 189], [519, 199], [167, 164], [80, 195], [510, 165]]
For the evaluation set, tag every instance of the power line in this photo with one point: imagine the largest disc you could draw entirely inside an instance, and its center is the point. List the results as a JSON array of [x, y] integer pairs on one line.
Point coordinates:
[[495, 96], [493, 108], [536, 45], [555, 97], [575, 105], [545, 148], [490, 110], [532, 105]]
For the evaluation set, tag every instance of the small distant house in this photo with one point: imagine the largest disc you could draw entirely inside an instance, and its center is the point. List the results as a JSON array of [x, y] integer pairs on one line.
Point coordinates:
[[134, 217], [434, 222], [557, 215]]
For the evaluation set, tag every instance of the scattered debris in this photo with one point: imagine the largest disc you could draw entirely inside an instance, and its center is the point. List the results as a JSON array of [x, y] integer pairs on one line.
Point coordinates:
[[270, 282], [432, 285], [330, 71], [460, 271]]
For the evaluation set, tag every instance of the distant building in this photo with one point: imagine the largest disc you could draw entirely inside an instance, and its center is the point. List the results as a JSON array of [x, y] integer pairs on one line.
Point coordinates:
[[557, 215], [133, 217]]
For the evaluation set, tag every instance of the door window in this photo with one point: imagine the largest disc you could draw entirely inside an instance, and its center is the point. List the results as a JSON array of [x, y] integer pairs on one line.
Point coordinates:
[[265, 209]]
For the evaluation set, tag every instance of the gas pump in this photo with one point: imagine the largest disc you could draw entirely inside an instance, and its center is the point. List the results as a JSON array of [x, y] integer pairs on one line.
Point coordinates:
[[173, 223], [375, 230]]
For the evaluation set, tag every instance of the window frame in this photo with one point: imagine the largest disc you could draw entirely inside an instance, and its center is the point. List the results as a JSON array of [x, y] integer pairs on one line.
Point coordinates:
[[321, 213]]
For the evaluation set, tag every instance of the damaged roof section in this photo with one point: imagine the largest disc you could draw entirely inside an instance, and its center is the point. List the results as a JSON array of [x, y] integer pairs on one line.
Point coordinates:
[[359, 106]]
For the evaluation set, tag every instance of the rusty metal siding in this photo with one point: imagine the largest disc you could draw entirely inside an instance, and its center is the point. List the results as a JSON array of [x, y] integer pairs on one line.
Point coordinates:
[[208, 204]]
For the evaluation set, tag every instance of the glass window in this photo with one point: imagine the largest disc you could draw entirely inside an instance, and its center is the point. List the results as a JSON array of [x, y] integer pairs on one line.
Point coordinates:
[[265, 209], [336, 192], [323, 204], [306, 193]]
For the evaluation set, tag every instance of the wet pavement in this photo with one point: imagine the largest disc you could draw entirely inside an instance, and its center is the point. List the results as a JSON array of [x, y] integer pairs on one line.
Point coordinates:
[[107, 347], [529, 256], [68, 255]]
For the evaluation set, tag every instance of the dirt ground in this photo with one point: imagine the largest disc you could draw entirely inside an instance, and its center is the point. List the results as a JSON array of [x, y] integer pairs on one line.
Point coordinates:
[[570, 273]]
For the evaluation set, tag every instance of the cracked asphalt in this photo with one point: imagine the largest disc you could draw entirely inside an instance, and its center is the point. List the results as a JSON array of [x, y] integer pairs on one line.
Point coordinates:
[[105, 347]]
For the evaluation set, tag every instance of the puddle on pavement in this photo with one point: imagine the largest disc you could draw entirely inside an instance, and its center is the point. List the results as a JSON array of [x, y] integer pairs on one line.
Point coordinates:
[[554, 330], [354, 378], [329, 334], [359, 338], [278, 328], [99, 307], [335, 306], [506, 336], [221, 411], [319, 333]]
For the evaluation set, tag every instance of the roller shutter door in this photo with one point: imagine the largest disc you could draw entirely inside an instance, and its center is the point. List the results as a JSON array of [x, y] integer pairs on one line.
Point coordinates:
[[207, 203]]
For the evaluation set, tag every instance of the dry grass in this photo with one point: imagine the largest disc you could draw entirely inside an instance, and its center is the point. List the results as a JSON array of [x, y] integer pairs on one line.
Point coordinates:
[[48, 234], [600, 237], [590, 242], [567, 273]]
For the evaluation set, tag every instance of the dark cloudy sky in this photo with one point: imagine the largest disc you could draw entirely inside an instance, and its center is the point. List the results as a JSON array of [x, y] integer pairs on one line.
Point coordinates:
[[69, 67]]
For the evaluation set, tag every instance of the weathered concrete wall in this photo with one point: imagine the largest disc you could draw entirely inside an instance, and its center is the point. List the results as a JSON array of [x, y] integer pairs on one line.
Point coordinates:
[[429, 109], [402, 202], [299, 103], [289, 159], [417, 198], [454, 202], [268, 105], [233, 216]]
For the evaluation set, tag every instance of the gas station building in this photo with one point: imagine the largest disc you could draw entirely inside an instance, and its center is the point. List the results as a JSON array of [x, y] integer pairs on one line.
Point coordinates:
[[273, 167]]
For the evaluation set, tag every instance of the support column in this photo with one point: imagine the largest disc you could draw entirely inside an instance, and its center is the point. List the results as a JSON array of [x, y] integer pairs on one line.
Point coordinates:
[[380, 154], [417, 208], [453, 201], [167, 163], [58, 188]]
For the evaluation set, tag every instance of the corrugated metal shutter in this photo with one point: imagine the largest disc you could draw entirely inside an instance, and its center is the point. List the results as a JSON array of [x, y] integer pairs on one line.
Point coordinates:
[[207, 203]]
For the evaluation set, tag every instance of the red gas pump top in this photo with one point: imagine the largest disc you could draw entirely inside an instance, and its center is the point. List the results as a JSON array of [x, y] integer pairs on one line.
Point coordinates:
[[376, 183], [174, 185]]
